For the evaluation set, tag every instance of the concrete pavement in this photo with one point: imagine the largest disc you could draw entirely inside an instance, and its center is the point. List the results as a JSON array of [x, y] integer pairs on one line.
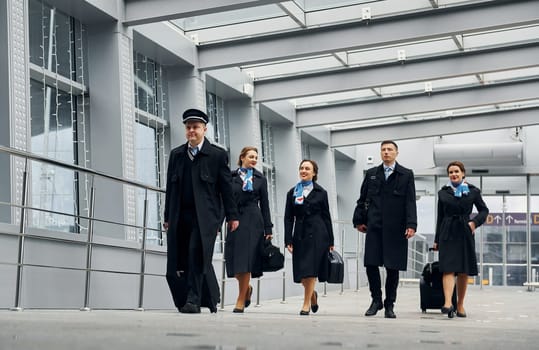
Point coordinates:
[[498, 318]]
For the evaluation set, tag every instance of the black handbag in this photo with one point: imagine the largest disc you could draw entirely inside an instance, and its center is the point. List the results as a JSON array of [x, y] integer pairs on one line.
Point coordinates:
[[272, 258], [335, 267]]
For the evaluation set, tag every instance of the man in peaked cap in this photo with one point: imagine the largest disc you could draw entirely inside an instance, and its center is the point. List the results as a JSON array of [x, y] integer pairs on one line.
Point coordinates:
[[195, 115], [199, 190]]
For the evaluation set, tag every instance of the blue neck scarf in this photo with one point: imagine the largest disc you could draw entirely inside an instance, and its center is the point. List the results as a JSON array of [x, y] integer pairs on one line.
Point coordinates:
[[247, 175], [298, 191], [460, 189]]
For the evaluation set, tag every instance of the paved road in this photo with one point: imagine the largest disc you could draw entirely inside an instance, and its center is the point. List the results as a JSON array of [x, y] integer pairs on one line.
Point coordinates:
[[498, 318]]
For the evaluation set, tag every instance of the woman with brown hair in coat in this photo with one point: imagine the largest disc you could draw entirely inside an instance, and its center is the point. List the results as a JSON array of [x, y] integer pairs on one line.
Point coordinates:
[[243, 246], [308, 233], [455, 231]]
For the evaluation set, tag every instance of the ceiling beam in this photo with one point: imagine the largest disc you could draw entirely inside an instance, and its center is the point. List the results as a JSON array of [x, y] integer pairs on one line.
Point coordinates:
[[456, 125], [295, 12], [460, 64], [150, 11], [481, 95], [429, 24]]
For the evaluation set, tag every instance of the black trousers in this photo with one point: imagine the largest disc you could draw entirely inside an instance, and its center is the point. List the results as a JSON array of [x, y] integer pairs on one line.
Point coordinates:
[[375, 284], [191, 255]]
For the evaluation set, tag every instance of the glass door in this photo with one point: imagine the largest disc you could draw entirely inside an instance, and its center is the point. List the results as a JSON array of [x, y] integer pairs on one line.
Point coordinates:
[[502, 242]]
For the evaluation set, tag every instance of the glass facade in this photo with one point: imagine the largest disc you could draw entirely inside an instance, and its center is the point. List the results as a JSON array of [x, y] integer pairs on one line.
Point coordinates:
[[59, 105], [151, 92], [218, 121], [151, 103], [58, 42], [148, 172]]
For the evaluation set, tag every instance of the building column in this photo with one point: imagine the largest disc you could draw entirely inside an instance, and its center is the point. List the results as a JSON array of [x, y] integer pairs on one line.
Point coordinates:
[[112, 125], [14, 101], [186, 89], [244, 118], [325, 158], [287, 148]]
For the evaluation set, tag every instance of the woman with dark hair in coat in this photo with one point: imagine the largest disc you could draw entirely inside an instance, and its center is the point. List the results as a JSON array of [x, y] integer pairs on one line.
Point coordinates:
[[243, 246], [308, 232], [454, 237]]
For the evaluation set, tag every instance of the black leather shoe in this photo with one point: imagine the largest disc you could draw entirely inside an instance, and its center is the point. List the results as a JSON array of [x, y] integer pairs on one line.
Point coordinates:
[[389, 312], [445, 310], [304, 313], [314, 306], [190, 308], [373, 309], [461, 314], [248, 299], [450, 311], [237, 310]]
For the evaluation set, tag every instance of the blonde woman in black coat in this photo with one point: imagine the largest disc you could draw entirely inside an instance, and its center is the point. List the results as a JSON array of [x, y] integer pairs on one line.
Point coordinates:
[[308, 233], [455, 232], [243, 246]]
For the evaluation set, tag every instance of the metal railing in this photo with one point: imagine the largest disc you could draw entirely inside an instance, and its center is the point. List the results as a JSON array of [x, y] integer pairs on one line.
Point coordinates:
[[343, 232], [348, 242], [90, 244]]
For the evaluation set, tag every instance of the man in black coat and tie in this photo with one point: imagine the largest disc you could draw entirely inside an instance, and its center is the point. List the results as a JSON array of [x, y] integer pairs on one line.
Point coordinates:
[[386, 212], [198, 193]]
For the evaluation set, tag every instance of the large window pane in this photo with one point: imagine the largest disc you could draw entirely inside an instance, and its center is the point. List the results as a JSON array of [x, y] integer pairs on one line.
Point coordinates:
[[151, 101], [147, 172], [150, 86], [59, 115], [516, 275], [218, 122], [56, 41], [53, 188]]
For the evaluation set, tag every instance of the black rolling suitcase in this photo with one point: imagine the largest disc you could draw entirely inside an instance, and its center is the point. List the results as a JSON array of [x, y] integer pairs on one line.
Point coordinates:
[[431, 288]]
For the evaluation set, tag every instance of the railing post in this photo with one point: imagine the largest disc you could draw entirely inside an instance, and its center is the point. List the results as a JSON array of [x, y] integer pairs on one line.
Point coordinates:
[[284, 276], [22, 230], [258, 292], [143, 253], [325, 289], [223, 266], [89, 243], [342, 254], [357, 260], [533, 278]]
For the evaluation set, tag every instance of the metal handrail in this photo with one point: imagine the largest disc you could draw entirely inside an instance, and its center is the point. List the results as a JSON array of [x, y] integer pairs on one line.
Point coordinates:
[[91, 220], [104, 221], [32, 156]]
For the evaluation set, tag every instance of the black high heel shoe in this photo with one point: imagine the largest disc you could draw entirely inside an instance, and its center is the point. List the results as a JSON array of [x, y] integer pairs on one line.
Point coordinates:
[[450, 311], [248, 300], [314, 306], [304, 313]]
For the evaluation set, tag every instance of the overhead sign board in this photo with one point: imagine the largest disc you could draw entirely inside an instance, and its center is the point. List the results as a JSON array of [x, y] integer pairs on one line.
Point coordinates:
[[515, 219]]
